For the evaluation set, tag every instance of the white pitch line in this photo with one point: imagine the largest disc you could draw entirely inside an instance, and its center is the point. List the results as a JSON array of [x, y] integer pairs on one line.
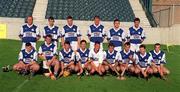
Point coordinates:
[[20, 85]]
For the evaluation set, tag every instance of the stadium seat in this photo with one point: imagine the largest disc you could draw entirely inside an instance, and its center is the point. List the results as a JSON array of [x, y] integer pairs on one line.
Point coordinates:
[[16, 8], [87, 9]]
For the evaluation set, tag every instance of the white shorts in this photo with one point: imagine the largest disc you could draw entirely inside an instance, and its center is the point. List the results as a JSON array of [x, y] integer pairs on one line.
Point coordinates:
[[32, 43], [92, 45], [82, 65], [96, 63], [118, 48], [74, 45], [44, 65], [135, 47]]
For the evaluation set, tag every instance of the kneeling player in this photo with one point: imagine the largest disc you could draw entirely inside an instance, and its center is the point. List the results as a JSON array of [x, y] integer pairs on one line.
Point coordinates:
[[96, 59], [126, 58], [48, 53], [143, 61], [109, 58], [159, 61], [27, 60], [66, 59]]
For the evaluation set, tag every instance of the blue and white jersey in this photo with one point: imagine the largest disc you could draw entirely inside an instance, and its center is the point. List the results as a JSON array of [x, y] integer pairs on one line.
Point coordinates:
[[48, 50], [54, 31], [29, 33], [83, 55], [96, 33], [28, 57], [135, 35], [143, 60], [70, 33], [116, 36], [110, 57], [158, 58], [66, 56], [123, 56]]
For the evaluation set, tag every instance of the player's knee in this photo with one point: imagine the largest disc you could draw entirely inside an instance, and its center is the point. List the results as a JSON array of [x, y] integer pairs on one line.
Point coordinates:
[[76, 69], [150, 71], [106, 68]]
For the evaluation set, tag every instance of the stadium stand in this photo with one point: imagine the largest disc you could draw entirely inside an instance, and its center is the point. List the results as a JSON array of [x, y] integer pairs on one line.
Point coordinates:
[[87, 9], [16, 8]]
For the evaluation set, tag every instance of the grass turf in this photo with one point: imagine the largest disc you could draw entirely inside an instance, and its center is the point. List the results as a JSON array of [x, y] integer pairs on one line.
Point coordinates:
[[12, 82]]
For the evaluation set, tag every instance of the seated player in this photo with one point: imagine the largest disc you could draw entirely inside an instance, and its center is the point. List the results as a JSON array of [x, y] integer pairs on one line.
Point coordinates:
[[109, 58], [96, 59], [48, 53], [66, 59], [27, 60], [83, 53], [126, 58], [53, 30], [143, 62], [158, 61]]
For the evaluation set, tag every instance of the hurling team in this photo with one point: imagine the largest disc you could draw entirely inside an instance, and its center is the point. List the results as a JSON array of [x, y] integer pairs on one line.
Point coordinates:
[[125, 54]]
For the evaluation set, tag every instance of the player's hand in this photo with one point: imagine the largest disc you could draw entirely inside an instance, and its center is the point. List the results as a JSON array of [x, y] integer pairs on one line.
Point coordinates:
[[130, 57]]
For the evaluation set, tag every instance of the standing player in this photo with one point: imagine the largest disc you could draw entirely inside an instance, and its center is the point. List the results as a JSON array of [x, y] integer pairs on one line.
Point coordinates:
[[143, 62], [48, 53], [71, 33], [159, 59], [96, 59], [66, 59], [27, 60], [53, 30], [96, 33], [29, 33], [116, 35], [136, 35], [126, 58]]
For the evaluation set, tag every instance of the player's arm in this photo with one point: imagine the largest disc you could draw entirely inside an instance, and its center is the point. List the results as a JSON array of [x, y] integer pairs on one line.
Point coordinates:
[[20, 58], [108, 36], [143, 36], [128, 35], [21, 33], [79, 36], [89, 33], [62, 37], [40, 54], [37, 34], [103, 33]]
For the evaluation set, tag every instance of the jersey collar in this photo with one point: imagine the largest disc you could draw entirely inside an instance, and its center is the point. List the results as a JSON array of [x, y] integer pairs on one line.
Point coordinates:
[[157, 52], [136, 28]]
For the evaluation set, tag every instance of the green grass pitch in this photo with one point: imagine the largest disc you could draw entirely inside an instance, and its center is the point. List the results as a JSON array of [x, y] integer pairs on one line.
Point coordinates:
[[12, 82]]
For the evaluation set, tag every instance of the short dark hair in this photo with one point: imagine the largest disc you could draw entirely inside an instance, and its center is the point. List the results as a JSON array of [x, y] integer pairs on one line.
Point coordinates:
[[157, 44], [28, 44], [51, 18], [116, 20], [96, 17], [82, 41], [111, 45], [69, 17], [142, 46], [67, 42], [136, 19], [127, 44], [50, 36], [97, 42]]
